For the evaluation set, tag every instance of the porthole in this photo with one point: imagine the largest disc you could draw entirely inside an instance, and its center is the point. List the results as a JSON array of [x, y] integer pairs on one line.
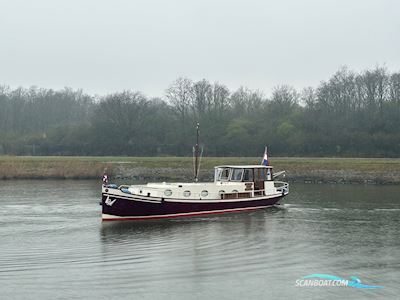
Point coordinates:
[[167, 193], [221, 192], [204, 193], [186, 193], [235, 191]]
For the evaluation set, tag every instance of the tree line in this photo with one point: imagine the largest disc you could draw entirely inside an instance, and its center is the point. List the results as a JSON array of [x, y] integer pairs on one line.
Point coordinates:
[[350, 114]]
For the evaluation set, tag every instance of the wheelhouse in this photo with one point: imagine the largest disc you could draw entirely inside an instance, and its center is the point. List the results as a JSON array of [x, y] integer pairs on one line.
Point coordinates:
[[243, 173]]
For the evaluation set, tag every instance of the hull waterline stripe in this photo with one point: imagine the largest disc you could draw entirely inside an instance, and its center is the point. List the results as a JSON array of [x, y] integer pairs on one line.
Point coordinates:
[[107, 217]]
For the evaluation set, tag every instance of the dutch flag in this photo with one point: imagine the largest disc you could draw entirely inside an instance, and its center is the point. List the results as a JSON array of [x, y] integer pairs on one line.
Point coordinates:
[[105, 179], [265, 158]]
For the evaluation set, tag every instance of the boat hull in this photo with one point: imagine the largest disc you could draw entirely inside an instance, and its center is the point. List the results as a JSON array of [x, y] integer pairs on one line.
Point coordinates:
[[117, 207]]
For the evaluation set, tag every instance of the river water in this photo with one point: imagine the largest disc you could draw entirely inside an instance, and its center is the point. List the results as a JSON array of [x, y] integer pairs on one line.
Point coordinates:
[[53, 245]]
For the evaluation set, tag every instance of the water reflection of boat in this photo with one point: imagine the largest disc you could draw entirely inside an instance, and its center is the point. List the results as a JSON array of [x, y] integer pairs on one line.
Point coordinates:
[[235, 188], [220, 224]]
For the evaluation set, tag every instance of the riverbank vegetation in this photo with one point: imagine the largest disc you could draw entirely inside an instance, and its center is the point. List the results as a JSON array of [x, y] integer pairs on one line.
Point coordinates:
[[352, 114], [331, 170]]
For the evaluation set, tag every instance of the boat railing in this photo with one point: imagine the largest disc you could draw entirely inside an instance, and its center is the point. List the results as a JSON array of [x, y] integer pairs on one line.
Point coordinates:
[[257, 193], [282, 187], [277, 174], [252, 193]]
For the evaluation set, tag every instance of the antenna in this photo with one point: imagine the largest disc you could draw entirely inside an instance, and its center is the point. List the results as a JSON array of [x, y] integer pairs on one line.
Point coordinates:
[[196, 154]]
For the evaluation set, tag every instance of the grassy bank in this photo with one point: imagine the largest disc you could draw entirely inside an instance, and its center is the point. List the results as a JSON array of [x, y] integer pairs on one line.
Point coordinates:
[[346, 170]]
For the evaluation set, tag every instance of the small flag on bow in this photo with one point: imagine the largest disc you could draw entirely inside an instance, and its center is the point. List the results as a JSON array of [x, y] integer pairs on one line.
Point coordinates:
[[105, 179]]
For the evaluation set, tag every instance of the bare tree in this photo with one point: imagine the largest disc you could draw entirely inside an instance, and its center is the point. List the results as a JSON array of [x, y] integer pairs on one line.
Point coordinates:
[[394, 91], [220, 98], [202, 94], [308, 97], [181, 94], [284, 97]]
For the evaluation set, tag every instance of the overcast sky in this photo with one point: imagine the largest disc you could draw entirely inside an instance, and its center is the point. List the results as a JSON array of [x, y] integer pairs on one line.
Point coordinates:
[[104, 46]]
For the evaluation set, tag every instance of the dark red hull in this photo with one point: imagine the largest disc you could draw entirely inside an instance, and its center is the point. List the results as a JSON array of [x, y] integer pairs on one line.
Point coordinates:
[[115, 207]]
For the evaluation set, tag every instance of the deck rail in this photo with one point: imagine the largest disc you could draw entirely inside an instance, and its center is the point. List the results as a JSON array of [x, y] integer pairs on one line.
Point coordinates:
[[282, 187]]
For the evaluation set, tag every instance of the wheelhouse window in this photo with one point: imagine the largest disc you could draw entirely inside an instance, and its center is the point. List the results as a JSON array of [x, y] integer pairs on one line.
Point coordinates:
[[261, 174], [248, 175], [237, 175], [222, 174]]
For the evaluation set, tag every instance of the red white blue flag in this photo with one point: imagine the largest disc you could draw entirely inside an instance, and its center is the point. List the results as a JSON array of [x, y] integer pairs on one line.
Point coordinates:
[[105, 179], [265, 158]]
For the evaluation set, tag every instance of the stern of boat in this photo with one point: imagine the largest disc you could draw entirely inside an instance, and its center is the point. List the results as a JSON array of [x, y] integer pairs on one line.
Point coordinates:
[[282, 187]]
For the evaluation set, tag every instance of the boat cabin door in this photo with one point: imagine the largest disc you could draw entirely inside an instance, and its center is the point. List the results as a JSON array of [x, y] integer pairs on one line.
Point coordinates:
[[259, 178]]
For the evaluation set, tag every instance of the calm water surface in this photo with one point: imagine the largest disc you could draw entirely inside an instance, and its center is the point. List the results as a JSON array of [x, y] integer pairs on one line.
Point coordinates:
[[53, 245]]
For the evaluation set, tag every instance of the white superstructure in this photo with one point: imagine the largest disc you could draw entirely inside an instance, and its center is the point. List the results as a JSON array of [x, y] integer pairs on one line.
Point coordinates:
[[230, 182]]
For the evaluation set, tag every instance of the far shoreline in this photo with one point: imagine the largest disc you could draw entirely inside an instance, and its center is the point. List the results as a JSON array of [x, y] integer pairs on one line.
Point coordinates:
[[298, 169]]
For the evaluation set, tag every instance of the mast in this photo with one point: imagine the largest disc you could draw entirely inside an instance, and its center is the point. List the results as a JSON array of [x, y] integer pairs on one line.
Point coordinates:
[[196, 154]]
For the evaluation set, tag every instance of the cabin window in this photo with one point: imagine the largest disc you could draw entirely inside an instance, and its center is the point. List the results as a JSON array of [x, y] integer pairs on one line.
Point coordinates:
[[204, 193], [237, 175], [186, 193], [248, 175], [167, 193], [224, 174], [261, 174]]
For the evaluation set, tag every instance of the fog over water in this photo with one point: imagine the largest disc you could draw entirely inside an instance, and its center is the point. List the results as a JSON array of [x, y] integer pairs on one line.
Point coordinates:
[[106, 46]]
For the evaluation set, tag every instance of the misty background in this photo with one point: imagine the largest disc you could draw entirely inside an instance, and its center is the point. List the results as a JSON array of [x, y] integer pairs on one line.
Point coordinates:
[[105, 46], [133, 77]]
